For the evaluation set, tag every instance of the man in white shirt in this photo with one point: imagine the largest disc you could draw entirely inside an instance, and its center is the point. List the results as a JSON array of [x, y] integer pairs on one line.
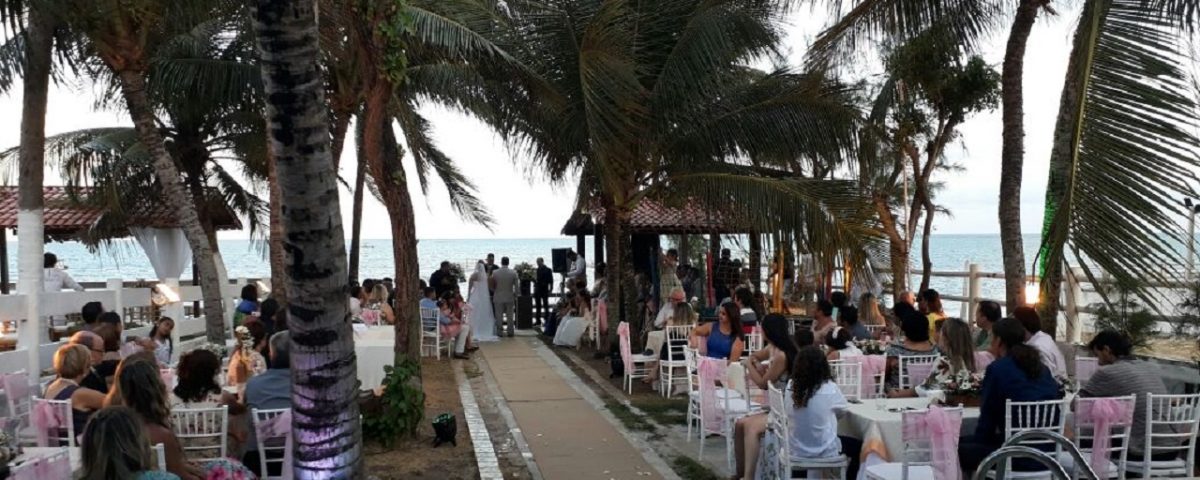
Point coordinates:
[[1052, 356], [665, 311], [55, 279], [578, 267]]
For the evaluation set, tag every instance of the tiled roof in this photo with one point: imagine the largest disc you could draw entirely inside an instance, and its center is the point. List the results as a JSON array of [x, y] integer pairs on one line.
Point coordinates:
[[652, 216], [66, 217]]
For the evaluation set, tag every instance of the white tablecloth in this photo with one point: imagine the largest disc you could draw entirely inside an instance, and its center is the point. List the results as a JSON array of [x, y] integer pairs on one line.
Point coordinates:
[[375, 347], [29, 453], [881, 430]]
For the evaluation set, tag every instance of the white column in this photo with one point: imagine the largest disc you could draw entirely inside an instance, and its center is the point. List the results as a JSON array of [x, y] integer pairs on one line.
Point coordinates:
[[966, 305], [31, 245], [117, 286], [972, 291], [174, 311]]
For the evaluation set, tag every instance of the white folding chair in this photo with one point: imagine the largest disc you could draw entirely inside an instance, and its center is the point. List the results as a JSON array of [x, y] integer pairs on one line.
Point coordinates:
[[1045, 416], [431, 334], [160, 456], [17, 396], [1084, 426], [1085, 367], [753, 342], [919, 372], [675, 342], [273, 444], [848, 376], [905, 361], [53, 466], [779, 422], [53, 423], [1171, 425], [202, 431], [636, 365], [718, 412], [917, 460]]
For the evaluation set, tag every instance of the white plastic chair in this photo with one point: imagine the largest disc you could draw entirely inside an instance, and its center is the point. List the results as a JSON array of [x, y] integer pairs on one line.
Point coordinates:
[[18, 396], [431, 334], [1170, 419], [919, 372], [1084, 426], [1044, 416], [718, 412], [675, 342], [779, 422], [53, 423], [918, 459], [160, 455], [753, 342], [636, 365], [202, 431], [905, 361], [57, 465], [274, 440], [848, 376], [1085, 367]]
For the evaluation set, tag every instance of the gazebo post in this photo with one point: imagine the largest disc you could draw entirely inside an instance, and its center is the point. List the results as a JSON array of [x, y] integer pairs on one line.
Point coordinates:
[[597, 245], [4, 261], [581, 245]]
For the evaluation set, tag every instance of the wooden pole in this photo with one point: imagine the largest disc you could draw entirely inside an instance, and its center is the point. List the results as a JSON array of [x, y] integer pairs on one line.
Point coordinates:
[[4, 261]]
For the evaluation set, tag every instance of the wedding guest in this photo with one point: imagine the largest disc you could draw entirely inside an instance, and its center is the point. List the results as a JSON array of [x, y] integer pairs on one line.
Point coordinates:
[[804, 338], [246, 360], [164, 345], [957, 356], [114, 393], [542, 285], [356, 293], [906, 297], [823, 319], [90, 313], [1017, 374], [1121, 374], [376, 310], [99, 373], [771, 364], [578, 266], [115, 445], [668, 274], [682, 315], [848, 319], [931, 307], [197, 388], [572, 327], [870, 315], [725, 338], [450, 321], [915, 343], [841, 345], [675, 298], [247, 306], [817, 402], [270, 315], [443, 279], [270, 391], [55, 279], [744, 299], [71, 363], [986, 315], [1051, 355]]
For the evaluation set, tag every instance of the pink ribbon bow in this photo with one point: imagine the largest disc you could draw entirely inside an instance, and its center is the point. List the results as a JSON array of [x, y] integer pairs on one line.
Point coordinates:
[[46, 417], [168, 377], [982, 360], [279, 426], [710, 370], [943, 432], [1102, 414], [872, 365], [42, 468]]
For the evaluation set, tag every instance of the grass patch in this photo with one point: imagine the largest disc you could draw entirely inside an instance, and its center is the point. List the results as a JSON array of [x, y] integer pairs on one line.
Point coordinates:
[[664, 411], [632, 421], [692, 470]]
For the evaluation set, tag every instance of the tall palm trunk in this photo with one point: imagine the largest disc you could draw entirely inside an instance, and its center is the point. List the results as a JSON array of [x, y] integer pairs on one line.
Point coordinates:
[[926, 260], [30, 205], [360, 182], [325, 424], [133, 87], [1012, 154], [275, 244], [622, 294], [897, 247]]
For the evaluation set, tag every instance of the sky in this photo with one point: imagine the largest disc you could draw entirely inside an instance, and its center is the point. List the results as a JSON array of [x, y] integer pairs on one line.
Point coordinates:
[[524, 205]]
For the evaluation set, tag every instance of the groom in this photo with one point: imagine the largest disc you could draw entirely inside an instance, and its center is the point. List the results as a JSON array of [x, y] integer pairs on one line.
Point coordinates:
[[504, 284]]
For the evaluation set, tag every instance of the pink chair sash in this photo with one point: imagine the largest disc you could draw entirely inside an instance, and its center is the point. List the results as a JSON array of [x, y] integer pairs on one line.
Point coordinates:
[[942, 430], [918, 373], [16, 387], [47, 417], [42, 468], [982, 360], [279, 426], [872, 365], [711, 370], [602, 316], [1102, 414], [626, 352]]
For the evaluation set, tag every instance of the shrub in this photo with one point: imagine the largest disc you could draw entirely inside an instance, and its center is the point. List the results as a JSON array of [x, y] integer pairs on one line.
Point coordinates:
[[399, 410], [1187, 312]]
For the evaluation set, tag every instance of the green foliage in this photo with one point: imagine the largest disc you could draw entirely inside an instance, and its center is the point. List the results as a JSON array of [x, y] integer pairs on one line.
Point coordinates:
[[525, 271], [1187, 312], [401, 408], [1124, 314]]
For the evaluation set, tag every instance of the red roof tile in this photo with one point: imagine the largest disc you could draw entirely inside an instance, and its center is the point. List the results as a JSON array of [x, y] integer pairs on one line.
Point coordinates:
[[66, 217]]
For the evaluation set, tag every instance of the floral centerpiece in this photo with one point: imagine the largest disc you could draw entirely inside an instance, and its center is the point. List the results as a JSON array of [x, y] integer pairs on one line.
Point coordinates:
[[525, 271], [9, 449], [962, 388], [457, 271], [871, 347], [219, 350]]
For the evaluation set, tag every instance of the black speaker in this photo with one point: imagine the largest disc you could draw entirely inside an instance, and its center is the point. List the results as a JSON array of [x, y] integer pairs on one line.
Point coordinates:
[[558, 260]]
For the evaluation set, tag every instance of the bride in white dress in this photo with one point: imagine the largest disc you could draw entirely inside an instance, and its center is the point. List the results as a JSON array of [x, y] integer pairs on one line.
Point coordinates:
[[483, 322]]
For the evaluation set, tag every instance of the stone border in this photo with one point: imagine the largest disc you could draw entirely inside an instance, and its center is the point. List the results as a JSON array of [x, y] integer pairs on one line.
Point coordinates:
[[485, 453], [493, 389]]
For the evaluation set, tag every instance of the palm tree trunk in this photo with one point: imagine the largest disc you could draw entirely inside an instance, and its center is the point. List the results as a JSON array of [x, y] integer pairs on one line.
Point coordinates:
[[341, 124], [755, 262], [30, 204], [622, 294], [133, 87], [356, 221], [926, 261], [275, 244], [898, 248], [1012, 155], [325, 423]]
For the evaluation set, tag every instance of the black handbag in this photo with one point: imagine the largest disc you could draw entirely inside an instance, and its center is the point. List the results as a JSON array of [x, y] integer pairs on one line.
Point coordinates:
[[445, 428]]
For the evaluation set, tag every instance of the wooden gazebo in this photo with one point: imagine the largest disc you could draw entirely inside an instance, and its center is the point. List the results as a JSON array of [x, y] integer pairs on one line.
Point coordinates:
[[650, 217]]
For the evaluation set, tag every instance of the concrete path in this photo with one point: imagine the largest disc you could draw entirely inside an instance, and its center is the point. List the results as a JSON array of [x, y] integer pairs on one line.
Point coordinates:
[[569, 436]]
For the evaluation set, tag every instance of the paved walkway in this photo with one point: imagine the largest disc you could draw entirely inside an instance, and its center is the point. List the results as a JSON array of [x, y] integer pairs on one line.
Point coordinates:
[[569, 437]]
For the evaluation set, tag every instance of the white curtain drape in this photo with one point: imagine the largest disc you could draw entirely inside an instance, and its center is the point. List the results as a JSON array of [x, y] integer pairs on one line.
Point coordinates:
[[166, 248]]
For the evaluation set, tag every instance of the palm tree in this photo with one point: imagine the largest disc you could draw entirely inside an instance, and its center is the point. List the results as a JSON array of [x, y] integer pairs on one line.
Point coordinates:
[[325, 423], [1124, 150]]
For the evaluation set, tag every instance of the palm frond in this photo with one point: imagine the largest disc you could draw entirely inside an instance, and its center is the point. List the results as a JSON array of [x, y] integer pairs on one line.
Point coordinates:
[[426, 155]]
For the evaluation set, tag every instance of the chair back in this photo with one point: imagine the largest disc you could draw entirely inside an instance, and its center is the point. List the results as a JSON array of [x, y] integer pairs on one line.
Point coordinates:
[[874, 368], [53, 423], [160, 457], [202, 431], [55, 465], [429, 319], [905, 380], [983, 358], [753, 341], [918, 373], [1104, 423], [1171, 425], [848, 375], [626, 352], [1085, 367], [735, 379], [676, 340], [712, 416], [273, 432], [779, 422], [692, 358], [17, 395], [931, 438], [1045, 416]]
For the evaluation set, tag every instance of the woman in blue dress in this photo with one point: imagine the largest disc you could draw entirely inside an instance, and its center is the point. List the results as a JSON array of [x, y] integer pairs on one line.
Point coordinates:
[[723, 338]]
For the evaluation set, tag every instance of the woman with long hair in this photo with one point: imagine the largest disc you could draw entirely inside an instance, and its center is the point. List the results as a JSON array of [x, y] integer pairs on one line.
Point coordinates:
[[682, 315], [247, 359], [957, 356], [915, 343], [115, 446], [1017, 374], [575, 323], [164, 344], [724, 338], [817, 401], [869, 312], [771, 364], [376, 310], [931, 307], [197, 388]]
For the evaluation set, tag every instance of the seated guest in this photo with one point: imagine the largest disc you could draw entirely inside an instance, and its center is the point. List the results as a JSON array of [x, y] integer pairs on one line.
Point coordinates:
[[246, 360], [986, 315], [1017, 374], [270, 391], [848, 320], [1051, 355], [71, 363], [778, 355], [356, 300], [871, 315], [676, 297], [817, 402], [823, 321], [115, 445], [957, 356], [197, 388], [99, 372], [376, 311], [429, 298], [804, 338], [268, 313], [682, 316], [164, 345], [140, 387], [744, 299], [915, 343], [247, 306], [111, 327], [450, 321], [1121, 374], [724, 338], [91, 313], [575, 324], [931, 307], [841, 345]]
